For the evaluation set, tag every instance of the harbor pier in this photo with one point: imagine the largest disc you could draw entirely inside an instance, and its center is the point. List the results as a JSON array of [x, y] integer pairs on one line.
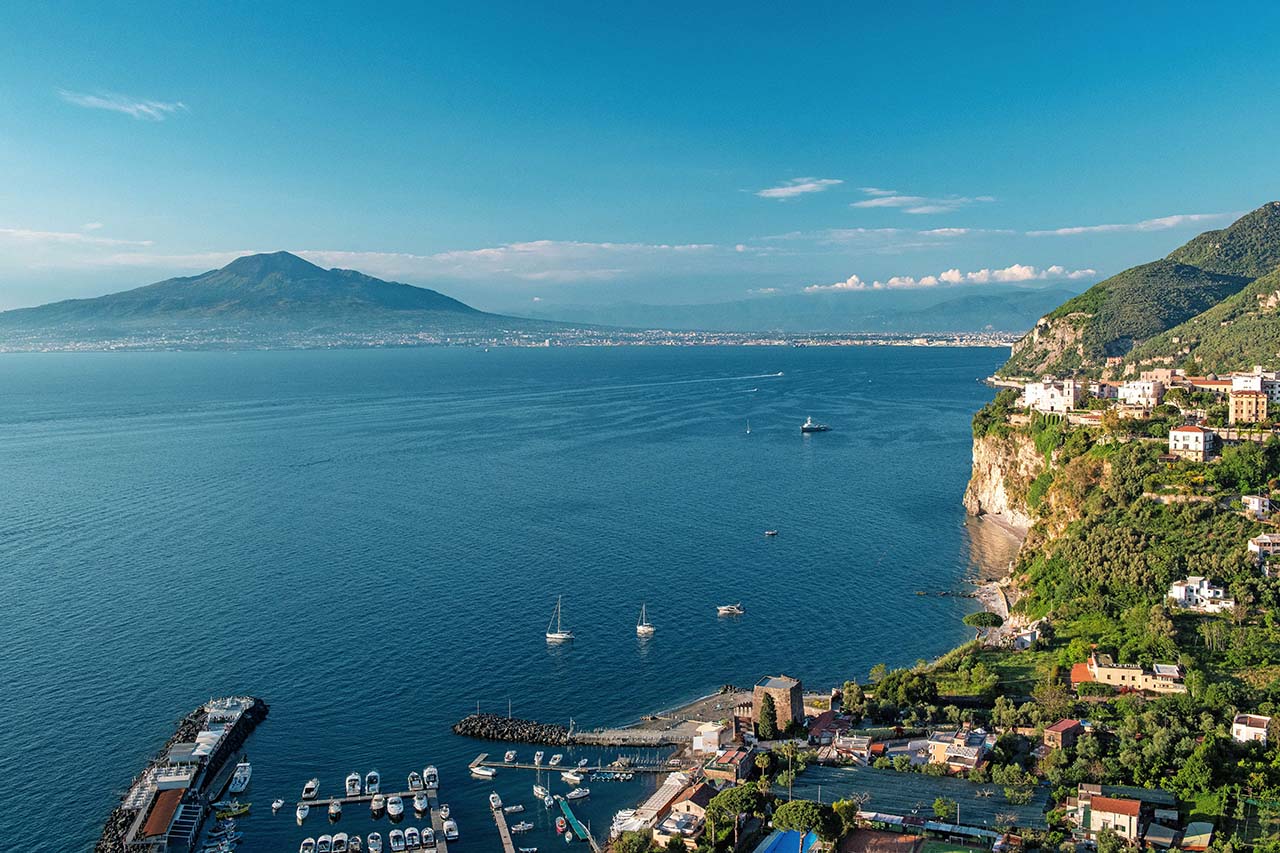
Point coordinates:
[[504, 832]]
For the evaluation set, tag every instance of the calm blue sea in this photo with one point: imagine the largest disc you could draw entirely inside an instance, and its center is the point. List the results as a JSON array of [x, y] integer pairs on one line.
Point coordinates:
[[373, 542]]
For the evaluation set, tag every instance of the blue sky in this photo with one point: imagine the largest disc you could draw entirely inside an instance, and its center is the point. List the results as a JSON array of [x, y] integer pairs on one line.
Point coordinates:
[[657, 153]]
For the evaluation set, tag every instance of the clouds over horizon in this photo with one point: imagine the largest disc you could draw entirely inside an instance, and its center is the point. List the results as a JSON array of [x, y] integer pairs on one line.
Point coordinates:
[[916, 204], [1011, 274], [1163, 223], [797, 187], [138, 108]]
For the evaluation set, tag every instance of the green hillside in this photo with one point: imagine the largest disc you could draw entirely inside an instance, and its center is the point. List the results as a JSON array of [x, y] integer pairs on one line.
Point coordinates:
[[1116, 316]]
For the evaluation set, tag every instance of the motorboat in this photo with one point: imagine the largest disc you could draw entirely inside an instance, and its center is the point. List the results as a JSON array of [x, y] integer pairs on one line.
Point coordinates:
[[527, 850], [302, 811], [571, 776], [561, 824], [377, 805], [516, 809], [644, 628], [353, 784], [277, 805], [324, 844], [810, 425], [308, 845], [420, 802], [557, 634], [583, 763], [372, 782], [356, 846], [483, 772], [450, 830], [578, 794], [556, 759], [428, 838], [510, 757], [444, 811], [374, 840], [430, 777], [537, 758], [522, 826], [771, 533], [495, 802], [548, 801], [310, 789], [412, 838], [233, 809], [731, 609], [395, 806], [540, 791], [335, 809], [240, 778], [396, 839], [415, 781], [340, 842]]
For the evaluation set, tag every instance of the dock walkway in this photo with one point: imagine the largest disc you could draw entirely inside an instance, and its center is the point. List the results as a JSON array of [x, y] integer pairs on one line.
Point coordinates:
[[504, 833], [482, 760], [575, 825]]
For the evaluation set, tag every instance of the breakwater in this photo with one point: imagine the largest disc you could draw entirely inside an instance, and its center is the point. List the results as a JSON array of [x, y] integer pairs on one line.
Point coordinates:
[[494, 727]]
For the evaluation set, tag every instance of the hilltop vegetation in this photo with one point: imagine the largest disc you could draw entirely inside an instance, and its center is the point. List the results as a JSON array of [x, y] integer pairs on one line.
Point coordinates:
[[1120, 314]]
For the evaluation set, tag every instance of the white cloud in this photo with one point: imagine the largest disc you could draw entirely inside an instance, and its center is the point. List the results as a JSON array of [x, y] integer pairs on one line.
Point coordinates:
[[1013, 273], [917, 204], [28, 235], [763, 291], [797, 187], [91, 226], [537, 299], [133, 107], [1163, 223]]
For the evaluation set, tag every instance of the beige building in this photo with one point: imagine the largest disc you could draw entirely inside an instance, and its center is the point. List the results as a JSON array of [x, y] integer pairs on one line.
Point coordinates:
[[1164, 678], [1191, 442], [788, 699], [1247, 407]]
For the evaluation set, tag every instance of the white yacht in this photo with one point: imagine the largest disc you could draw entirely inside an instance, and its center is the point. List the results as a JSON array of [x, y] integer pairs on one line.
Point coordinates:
[[556, 759], [578, 793], [495, 802], [308, 845], [548, 801], [430, 777], [810, 425], [335, 808], [353, 784], [450, 830], [395, 806], [483, 772], [356, 846], [731, 609], [240, 779], [420, 802], [396, 839], [573, 777], [513, 809], [374, 840], [537, 758], [276, 805], [377, 805], [372, 782], [540, 791], [428, 838], [644, 628], [510, 756], [310, 789], [583, 763], [522, 826], [340, 843], [302, 811], [559, 635], [324, 844], [444, 811], [412, 838]]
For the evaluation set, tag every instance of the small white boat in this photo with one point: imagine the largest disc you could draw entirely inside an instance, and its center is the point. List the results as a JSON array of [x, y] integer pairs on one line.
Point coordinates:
[[495, 802], [428, 838], [430, 777], [415, 781], [540, 791], [372, 782], [277, 805], [537, 758], [412, 838], [308, 845], [556, 759], [483, 772], [559, 634], [395, 806], [526, 850], [310, 789], [522, 826], [450, 830], [324, 844], [335, 808], [302, 811], [510, 756], [340, 843], [578, 794], [396, 839], [444, 811], [644, 628], [240, 779], [548, 801], [583, 763], [353, 785], [731, 609], [420, 802], [375, 842], [356, 846], [377, 805], [571, 776], [516, 809], [771, 533]]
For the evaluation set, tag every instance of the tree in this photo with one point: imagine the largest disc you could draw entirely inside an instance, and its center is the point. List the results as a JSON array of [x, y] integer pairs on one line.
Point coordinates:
[[676, 845], [984, 619], [805, 816], [634, 842], [878, 672], [767, 726], [1110, 842], [725, 806], [944, 808], [853, 697], [848, 808]]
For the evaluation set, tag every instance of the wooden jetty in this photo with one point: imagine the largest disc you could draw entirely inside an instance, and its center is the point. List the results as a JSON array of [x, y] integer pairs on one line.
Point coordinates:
[[482, 760], [433, 799], [437, 822], [504, 833], [575, 825]]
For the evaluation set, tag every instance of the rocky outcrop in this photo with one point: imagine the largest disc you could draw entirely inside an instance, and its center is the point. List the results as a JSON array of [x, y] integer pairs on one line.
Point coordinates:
[[1055, 343], [1003, 468], [494, 727]]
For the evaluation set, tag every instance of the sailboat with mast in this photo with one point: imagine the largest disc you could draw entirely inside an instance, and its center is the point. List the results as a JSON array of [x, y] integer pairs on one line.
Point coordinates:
[[559, 635], [644, 628]]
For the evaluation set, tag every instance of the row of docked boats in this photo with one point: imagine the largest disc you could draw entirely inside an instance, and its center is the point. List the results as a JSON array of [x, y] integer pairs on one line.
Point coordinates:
[[398, 840], [223, 838]]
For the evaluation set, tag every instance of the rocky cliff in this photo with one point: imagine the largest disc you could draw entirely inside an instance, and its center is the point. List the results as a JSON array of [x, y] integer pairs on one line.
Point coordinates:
[[1003, 468]]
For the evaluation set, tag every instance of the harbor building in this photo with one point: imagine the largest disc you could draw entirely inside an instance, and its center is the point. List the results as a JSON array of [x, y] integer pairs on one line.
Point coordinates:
[[788, 699]]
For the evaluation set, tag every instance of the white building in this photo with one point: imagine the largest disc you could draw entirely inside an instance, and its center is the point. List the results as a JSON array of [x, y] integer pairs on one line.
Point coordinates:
[[1104, 390], [1258, 505], [1191, 442], [710, 738], [1247, 728], [1196, 593], [1142, 392], [1052, 395], [1258, 379], [1263, 547]]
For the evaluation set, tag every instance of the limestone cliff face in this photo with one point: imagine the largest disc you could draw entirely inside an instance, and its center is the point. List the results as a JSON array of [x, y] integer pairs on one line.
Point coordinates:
[[1054, 345], [1003, 468]]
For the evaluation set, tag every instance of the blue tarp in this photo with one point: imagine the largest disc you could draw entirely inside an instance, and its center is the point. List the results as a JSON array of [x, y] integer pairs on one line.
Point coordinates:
[[788, 841]]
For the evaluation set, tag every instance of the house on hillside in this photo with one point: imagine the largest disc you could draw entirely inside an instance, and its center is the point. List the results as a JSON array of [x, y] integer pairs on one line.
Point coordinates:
[[1052, 395], [1196, 593], [1250, 728], [1191, 442], [1263, 547], [1147, 393], [1163, 678], [1259, 506], [1063, 734], [960, 750], [1247, 407], [1126, 811]]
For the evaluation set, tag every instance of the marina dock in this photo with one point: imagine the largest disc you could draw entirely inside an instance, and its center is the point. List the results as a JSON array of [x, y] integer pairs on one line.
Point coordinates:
[[433, 800], [575, 825], [504, 833], [482, 760]]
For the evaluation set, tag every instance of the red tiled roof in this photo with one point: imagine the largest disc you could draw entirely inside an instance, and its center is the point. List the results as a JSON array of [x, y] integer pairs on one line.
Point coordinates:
[[1116, 806], [700, 794], [1063, 725], [162, 812], [1247, 394], [1188, 429], [1080, 673]]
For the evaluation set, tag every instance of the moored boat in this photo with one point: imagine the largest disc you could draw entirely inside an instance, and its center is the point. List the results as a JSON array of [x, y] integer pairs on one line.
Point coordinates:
[[310, 789], [395, 839], [420, 802], [428, 838], [522, 826], [340, 843], [583, 763], [540, 791], [430, 777], [308, 845], [335, 808], [571, 776], [578, 794], [537, 758], [450, 830], [395, 806], [556, 759], [515, 809], [412, 838], [415, 781], [277, 805], [302, 811], [483, 772], [356, 846], [561, 824], [548, 801], [495, 802], [240, 779], [374, 840], [376, 806], [372, 782], [353, 784], [324, 844], [444, 811], [510, 756]]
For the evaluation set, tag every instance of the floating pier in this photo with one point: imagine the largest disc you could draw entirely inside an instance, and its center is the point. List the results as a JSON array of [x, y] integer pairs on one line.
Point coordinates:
[[504, 833], [482, 760], [575, 825]]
